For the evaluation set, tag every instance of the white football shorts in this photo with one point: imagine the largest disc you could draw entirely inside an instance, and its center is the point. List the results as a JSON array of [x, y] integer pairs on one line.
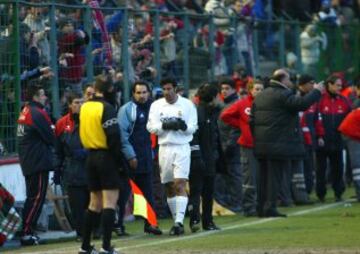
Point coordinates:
[[174, 162]]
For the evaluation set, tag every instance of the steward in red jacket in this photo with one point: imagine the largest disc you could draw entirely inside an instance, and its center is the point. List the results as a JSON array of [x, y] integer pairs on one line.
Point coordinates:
[[333, 108]]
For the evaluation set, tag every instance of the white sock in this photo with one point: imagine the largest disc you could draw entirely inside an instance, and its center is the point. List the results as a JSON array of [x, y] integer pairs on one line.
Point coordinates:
[[181, 203], [172, 206]]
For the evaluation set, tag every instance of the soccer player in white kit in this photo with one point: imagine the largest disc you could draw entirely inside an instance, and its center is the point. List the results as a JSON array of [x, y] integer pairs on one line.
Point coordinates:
[[174, 120]]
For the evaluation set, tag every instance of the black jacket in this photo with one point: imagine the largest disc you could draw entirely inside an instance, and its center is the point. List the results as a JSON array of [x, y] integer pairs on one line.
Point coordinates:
[[229, 136], [36, 139], [333, 109], [207, 139], [275, 122], [70, 154]]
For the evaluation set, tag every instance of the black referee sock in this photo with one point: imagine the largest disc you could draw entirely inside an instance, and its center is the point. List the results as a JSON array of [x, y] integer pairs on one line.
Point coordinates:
[[90, 218], [108, 219]]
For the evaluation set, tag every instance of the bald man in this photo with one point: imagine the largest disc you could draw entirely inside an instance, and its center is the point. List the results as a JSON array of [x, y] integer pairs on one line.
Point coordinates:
[[277, 136]]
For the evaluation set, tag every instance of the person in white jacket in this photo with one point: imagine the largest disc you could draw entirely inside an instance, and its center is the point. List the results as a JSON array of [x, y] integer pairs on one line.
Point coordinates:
[[311, 44], [174, 120]]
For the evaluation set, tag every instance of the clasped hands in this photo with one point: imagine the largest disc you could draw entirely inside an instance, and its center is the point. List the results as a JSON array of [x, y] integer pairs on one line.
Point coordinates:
[[174, 124]]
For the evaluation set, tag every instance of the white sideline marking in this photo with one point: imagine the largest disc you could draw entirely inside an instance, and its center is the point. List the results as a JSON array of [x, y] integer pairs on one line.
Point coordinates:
[[197, 235]]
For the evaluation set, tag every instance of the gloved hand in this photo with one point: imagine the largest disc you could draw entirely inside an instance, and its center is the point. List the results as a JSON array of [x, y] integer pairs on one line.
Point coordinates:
[[57, 177], [182, 124], [80, 154], [171, 124]]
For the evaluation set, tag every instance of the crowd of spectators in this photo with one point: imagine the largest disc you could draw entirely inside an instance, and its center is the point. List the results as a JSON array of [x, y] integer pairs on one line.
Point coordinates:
[[87, 50]]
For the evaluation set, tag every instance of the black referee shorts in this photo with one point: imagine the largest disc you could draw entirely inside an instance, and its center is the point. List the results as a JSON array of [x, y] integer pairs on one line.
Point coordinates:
[[103, 171]]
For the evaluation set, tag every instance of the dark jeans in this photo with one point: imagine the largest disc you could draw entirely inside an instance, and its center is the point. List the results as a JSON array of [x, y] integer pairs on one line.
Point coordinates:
[[309, 168], [250, 167], [284, 180], [79, 197], [201, 185], [36, 187], [125, 190], [353, 147], [336, 172], [228, 187], [269, 182]]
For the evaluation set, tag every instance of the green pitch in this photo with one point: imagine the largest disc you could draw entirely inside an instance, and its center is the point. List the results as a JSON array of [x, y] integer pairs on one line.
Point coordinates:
[[321, 228]]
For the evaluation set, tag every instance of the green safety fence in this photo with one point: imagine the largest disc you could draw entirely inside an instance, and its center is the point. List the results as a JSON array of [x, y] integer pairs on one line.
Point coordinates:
[[150, 45]]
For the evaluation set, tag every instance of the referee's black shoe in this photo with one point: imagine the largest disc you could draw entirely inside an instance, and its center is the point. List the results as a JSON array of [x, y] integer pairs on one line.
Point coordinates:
[[210, 226], [177, 229]]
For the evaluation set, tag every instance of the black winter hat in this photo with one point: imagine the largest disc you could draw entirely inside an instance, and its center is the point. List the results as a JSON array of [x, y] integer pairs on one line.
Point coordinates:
[[305, 78], [207, 92]]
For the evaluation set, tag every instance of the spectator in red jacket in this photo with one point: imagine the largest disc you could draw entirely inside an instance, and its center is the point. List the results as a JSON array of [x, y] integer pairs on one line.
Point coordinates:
[[333, 108], [237, 116]]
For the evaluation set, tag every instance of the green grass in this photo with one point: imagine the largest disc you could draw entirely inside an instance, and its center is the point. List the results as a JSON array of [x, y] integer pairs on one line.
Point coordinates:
[[333, 228]]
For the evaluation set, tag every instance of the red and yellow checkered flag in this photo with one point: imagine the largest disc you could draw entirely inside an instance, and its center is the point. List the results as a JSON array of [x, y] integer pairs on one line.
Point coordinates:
[[141, 206]]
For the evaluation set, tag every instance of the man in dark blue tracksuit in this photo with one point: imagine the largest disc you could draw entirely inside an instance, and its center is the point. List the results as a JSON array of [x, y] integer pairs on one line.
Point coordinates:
[[132, 118], [36, 140], [70, 161]]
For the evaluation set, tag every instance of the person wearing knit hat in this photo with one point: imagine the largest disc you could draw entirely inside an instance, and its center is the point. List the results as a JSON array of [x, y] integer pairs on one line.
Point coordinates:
[[312, 129], [305, 79]]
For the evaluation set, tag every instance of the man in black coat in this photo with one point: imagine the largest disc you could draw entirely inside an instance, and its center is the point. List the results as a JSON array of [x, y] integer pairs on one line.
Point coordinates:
[[277, 135]]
